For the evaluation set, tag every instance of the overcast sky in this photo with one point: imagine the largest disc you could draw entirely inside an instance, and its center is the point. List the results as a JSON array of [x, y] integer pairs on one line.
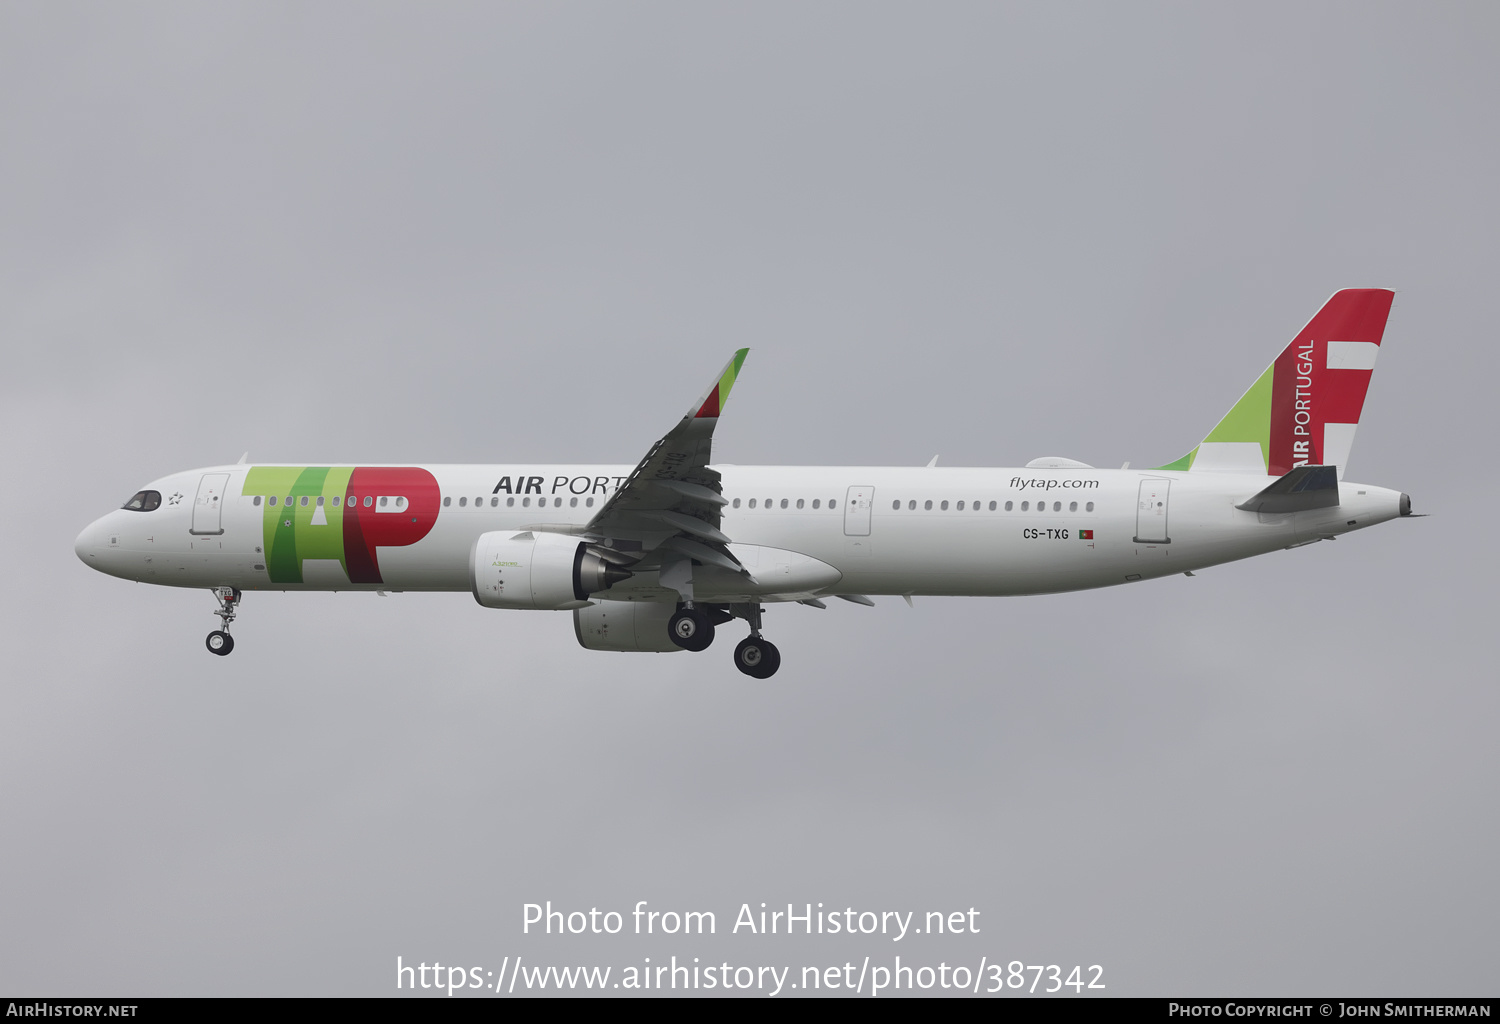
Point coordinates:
[[492, 232]]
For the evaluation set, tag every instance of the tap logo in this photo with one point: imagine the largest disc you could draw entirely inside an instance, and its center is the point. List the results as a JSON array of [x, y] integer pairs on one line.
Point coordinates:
[[342, 513]]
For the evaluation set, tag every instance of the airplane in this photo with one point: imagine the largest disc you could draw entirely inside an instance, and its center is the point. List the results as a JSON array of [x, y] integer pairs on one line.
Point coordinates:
[[656, 556]]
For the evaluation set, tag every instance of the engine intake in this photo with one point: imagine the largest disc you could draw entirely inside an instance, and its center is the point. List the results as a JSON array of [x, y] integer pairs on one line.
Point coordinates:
[[538, 571]]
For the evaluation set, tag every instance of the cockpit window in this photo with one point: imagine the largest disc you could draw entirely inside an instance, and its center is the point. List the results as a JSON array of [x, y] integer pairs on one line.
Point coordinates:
[[144, 501]]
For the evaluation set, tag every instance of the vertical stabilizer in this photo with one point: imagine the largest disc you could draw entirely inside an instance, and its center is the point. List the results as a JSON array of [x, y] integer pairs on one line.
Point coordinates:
[[1304, 409]]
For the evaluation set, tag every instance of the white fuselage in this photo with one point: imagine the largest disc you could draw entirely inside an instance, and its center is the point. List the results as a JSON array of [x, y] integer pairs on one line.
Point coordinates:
[[913, 531]]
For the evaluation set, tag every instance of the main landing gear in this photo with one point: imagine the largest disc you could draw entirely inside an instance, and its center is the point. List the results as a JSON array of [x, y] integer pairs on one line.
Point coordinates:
[[692, 629], [219, 641], [757, 657]]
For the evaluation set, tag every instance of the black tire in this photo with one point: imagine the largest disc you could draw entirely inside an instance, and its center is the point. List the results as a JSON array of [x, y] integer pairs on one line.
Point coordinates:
[[757, 657], [219, 642], [691, 630]]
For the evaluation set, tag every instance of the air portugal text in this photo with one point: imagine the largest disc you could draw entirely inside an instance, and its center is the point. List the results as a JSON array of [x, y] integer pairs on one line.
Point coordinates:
[[560, 485]]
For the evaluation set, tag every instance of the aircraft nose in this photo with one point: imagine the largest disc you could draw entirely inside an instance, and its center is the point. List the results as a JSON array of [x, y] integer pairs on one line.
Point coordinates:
[[86, 547]]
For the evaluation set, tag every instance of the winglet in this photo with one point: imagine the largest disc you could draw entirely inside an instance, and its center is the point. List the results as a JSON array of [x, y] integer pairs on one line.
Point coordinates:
[[713, 402]]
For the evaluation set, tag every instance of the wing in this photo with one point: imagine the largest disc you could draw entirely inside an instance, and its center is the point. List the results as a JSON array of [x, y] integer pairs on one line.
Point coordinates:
[[666, 514]]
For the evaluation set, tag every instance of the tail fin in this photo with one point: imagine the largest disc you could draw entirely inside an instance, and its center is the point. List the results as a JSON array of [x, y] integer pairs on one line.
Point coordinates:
[[1303, 410]]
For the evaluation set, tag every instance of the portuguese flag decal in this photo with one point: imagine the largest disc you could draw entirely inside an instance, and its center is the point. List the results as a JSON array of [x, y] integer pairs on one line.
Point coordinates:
[[1085, 534]]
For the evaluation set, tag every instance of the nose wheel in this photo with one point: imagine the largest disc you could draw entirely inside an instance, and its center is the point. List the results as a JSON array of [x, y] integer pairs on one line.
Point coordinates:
[[219, 641]]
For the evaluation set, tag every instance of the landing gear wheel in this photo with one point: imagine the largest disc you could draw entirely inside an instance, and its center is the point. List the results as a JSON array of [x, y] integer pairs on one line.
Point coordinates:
[[691, 630], [219, 641], [757, 657]]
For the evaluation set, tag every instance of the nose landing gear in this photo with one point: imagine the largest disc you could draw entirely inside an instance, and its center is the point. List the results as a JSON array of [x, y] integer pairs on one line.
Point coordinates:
[[219, 641]]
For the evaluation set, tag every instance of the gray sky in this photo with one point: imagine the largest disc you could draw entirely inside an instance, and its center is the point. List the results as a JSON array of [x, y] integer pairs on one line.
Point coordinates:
[[509, 233]]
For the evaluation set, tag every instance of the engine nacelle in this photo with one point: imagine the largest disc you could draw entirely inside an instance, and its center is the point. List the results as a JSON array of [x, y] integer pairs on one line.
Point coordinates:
[[625, 626], [537, 570]]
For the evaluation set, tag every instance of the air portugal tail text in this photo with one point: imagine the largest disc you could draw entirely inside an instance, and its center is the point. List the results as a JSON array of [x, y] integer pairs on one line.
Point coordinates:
[[1304, 409]]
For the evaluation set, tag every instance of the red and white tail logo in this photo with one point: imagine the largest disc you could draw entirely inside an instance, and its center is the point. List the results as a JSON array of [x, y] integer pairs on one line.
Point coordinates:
[[1318, 383]]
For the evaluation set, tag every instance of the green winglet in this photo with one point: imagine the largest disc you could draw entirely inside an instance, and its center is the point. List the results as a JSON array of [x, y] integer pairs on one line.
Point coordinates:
[[713, 402]]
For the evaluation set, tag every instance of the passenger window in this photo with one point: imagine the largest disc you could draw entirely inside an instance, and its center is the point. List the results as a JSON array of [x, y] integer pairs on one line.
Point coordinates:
[[943, 507], [911, 506], [816, 502], [257, 501], [525, 502], [1009, 505], [1089, 507], [992, 506], [320, 501], [927, 505], [733, 504], [960, 506], [446, 502], [335, 501], [463, 502], [832, 503], [303, 502], [1025, 506], [752, 502], [572, 502], [590, 502], [288, 499], [1072, 506], [1057, 506], [384, 501], [783, 503], [895, 506], [369, 501], [510, 502]]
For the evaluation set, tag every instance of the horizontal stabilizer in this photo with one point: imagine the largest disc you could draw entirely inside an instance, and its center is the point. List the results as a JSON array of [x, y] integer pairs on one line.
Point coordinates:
[[1304, 488]]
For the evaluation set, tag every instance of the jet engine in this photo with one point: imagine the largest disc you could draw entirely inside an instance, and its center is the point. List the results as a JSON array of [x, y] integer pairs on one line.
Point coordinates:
[[537, 570], [625, 626]]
